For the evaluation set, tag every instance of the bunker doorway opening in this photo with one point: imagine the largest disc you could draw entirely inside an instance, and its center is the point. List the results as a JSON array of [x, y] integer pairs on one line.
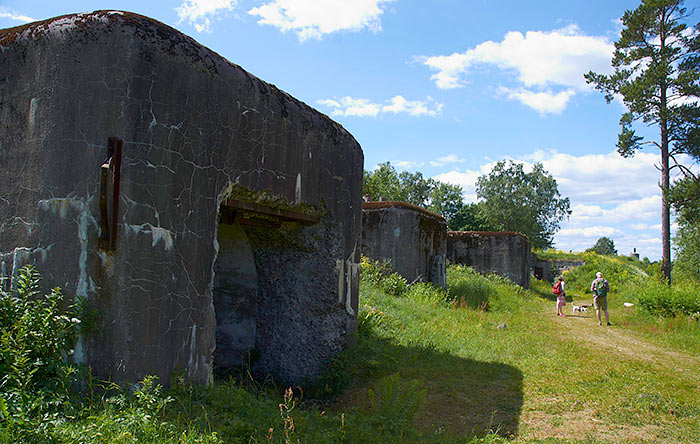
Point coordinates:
[[248, 235]]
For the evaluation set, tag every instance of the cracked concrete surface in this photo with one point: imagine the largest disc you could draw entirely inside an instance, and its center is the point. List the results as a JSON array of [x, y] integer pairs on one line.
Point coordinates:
[[503, 253], [414, 239], [192, 124]]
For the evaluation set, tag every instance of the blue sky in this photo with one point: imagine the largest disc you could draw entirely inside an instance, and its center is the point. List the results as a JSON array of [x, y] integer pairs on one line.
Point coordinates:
[[445, 87]]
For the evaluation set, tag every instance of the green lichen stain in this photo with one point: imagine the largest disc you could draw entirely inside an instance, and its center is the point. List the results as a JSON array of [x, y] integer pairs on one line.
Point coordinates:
[[271, 200]]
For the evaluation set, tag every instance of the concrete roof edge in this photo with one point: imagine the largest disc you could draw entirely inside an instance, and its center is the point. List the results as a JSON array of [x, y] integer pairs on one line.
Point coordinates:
[[379, 205], [33, 30]]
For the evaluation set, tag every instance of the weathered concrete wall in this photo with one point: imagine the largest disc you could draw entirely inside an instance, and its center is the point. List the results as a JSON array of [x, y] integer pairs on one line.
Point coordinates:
[[504, 253], [198, 131], [549, 270], [413, 238], [542, 269]]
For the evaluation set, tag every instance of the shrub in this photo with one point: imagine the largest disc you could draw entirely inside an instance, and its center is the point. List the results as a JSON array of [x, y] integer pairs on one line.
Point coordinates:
[[36, 379], [383, 276], [36, 338], [657, 298]]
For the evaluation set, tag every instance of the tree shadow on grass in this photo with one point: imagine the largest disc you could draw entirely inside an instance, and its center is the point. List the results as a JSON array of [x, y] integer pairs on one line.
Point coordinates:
[[464, 397]]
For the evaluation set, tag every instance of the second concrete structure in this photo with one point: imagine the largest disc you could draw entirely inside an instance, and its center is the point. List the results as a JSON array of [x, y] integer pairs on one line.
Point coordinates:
[[411, 237]]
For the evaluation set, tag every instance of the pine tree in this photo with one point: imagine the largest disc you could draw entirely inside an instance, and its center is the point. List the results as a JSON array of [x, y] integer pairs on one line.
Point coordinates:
[[656, 74]]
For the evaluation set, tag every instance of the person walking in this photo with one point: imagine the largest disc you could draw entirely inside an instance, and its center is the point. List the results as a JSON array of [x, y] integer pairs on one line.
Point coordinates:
[[561, 295], [600, 288]]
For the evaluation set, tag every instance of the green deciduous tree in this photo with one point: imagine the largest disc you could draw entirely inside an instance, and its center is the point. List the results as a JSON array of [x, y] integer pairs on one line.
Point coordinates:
[[385, 182], [656, 74], [684, 196], [605, 246], [445, 199], [471, 217], [687, 246], [529, 203]]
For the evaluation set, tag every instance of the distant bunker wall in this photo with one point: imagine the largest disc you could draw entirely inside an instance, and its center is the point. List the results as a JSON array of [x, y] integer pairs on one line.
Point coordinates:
[[219, 228], [412, 238], [548, 270], [503, 253]]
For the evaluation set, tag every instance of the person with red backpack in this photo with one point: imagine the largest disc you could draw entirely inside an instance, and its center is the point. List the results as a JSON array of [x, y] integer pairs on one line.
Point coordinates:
[[560, 290], [600, 289]]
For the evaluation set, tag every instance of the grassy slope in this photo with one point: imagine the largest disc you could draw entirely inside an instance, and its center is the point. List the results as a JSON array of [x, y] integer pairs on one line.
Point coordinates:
[[428, 369], [542, 376]]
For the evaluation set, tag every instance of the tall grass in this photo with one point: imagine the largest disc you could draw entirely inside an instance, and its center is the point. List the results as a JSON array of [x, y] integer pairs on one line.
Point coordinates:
[[658, 298], [467, 288]]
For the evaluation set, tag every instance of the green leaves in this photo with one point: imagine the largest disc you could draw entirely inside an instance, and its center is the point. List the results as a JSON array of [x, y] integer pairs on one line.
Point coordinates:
[[472, 217], [34, 340], [438, 197], [604, 246], [528, 203]]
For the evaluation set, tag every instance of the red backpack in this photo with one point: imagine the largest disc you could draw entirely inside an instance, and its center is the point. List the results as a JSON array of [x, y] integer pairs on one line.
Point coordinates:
[[557, 288]]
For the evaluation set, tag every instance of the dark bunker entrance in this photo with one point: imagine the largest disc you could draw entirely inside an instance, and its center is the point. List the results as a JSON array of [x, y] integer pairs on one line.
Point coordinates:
[[252, 240]]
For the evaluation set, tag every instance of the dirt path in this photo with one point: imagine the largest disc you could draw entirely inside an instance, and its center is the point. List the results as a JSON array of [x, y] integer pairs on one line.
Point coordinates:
[[625, 344], [581, 419]]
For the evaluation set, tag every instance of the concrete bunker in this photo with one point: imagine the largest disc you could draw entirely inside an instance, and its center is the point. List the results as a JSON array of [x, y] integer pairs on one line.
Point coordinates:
[[229, 222], [549, 269], [503, 253], [411, 237]]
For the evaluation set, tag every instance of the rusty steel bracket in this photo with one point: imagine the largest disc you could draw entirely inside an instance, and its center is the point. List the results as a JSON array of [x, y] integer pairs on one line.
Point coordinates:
[[110, 177]]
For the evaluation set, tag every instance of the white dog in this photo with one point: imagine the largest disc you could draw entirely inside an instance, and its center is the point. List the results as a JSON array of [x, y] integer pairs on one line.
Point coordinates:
[[578, 308]]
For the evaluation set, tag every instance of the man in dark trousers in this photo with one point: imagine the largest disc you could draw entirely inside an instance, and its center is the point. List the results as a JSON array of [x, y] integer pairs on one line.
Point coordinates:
[[600, 289]]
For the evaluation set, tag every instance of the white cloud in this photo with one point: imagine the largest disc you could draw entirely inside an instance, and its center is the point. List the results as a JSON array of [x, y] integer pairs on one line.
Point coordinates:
[[447, 160], [348, 106], [200, 13], [360, 107], [601, 179], [541, 61], [594, 232], [312, 19], [544, 102], [610, 196], [406, 164], [14, 15], [467, 180], [413, 107], [641, 227], [586, 211]]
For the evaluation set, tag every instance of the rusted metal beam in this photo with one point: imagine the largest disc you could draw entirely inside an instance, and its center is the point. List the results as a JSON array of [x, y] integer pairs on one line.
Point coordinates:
[[110, 177], [104, 216], [286, 215], [115, 145]]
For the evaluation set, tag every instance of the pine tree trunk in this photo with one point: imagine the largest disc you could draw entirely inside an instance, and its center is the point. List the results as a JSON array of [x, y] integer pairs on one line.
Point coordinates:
[[663, 123], [665, 209]]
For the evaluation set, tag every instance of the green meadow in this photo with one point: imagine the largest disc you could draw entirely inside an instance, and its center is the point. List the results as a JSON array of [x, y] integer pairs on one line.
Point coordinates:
[[483, 361]]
